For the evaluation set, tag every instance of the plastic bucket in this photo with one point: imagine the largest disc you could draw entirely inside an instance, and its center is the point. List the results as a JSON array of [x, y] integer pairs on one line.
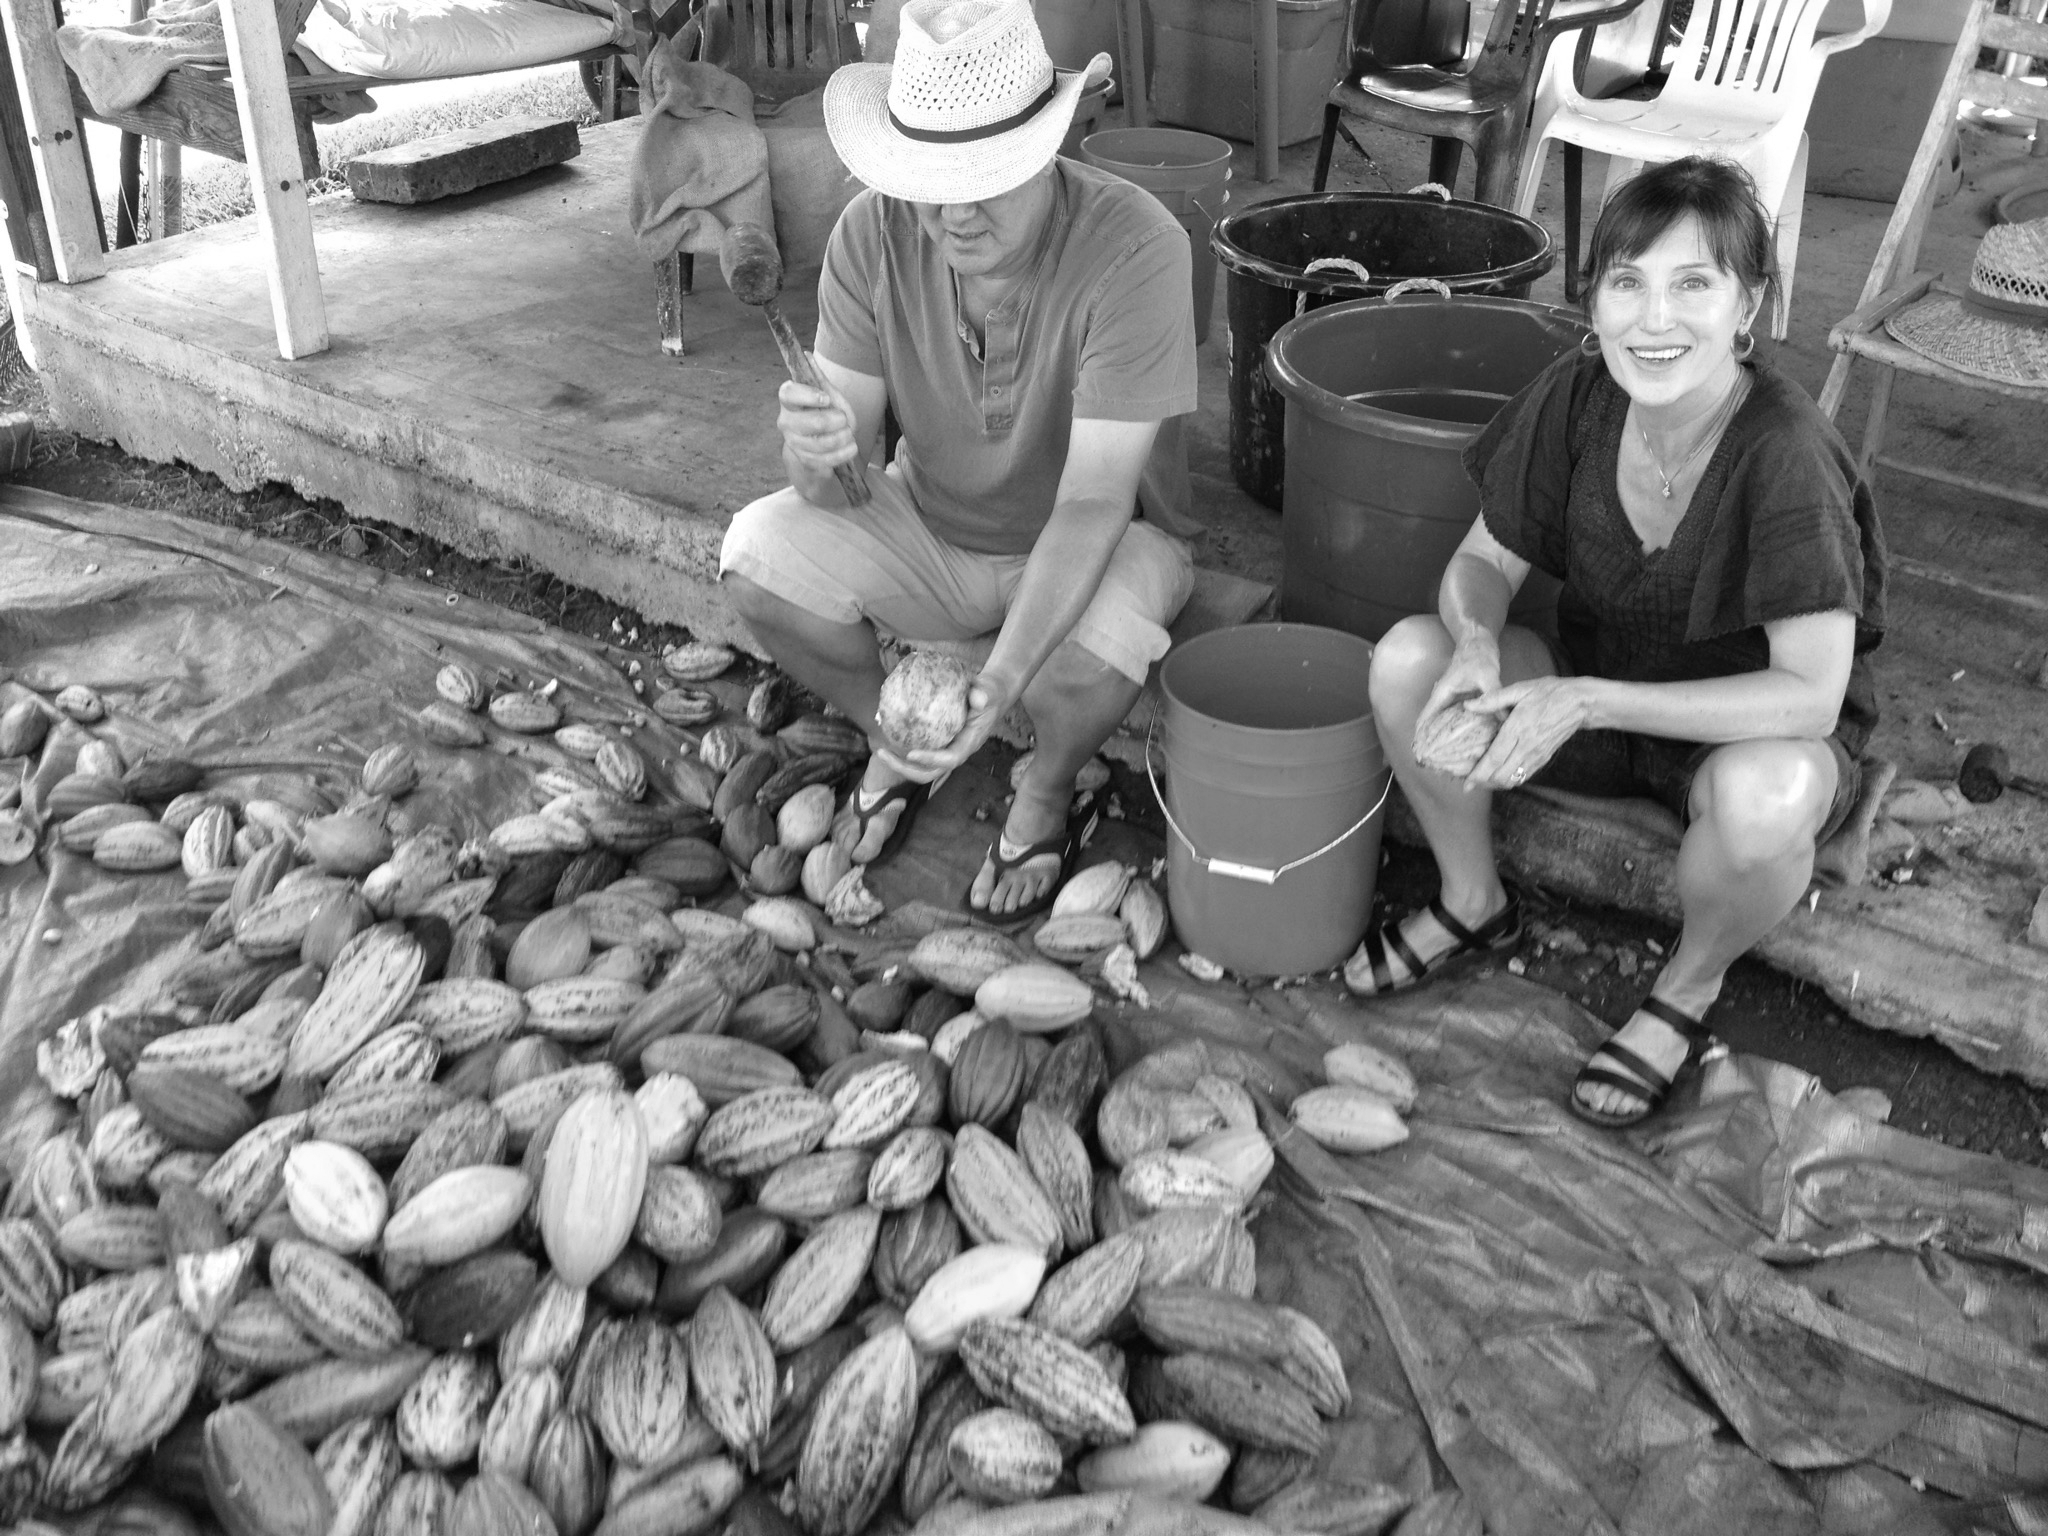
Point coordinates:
[[1190, 174], [1087, 117], [1266, 251], [1275, 787], [1383, 395]]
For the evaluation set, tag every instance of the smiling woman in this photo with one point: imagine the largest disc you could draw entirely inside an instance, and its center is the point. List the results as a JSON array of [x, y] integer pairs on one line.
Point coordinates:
[[1723, 581]]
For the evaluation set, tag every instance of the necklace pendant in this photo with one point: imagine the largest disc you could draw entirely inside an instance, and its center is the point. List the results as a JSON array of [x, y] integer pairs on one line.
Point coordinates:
[[1667, 491]]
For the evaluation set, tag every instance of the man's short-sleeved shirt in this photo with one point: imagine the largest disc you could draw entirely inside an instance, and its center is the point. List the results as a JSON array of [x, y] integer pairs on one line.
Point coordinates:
[[1102, 329]]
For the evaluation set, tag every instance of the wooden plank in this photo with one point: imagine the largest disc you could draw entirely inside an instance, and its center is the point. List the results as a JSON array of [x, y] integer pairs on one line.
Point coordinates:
[[200, 113], [2016, 96], [56, 143], [28, 235], [331, 82], [2015, 34], [1899, 250], [270, 139]]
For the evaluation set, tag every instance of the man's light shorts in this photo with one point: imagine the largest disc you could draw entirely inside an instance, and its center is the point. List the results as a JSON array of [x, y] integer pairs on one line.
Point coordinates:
[[882, 563]]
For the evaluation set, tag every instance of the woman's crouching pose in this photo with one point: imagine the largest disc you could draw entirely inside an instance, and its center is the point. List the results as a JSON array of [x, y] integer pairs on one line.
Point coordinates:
[[1723, 581]]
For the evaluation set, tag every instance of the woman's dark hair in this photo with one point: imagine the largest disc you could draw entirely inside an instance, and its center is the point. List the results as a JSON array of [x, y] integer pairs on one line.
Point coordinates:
[[1719, 194]]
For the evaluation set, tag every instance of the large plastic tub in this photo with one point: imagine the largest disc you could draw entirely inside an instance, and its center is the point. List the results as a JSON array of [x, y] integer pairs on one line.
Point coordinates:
[[1383, 396], [1267, 249]]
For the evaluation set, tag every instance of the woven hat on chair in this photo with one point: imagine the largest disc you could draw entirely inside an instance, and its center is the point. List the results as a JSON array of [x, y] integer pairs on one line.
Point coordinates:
[[1999, 329], [970, 109]]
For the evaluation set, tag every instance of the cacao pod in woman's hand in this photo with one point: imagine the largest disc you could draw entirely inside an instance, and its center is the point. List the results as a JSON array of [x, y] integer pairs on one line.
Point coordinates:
[[1453, 739]]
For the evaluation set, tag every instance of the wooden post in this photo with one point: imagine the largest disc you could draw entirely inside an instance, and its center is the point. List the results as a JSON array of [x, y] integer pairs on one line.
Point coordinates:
[[674, 276], [128, 200], [1137, 107], [56, 143], [28, 236], [163, 173], [270, 138], [1266, 86]]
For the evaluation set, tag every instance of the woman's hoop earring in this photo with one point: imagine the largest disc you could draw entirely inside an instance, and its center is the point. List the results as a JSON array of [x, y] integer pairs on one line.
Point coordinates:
[[1745, 345], [1589, 345]]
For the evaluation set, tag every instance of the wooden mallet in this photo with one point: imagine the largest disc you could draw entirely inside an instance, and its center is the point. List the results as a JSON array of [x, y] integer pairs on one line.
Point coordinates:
[[753, 271]]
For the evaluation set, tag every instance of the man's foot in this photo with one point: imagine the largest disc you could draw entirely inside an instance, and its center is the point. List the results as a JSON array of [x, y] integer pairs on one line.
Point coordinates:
[[1010, 882], [878, 814], [1424, 937], [1646, 1055]]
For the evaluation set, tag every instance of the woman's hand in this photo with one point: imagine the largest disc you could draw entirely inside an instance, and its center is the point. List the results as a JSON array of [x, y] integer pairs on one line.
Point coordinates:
[[987, 702], [1474, 671], [817, 427], [1542, 715]]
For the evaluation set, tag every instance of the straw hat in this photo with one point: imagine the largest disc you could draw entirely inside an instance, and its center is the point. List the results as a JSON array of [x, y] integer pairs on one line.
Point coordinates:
[[972, 107], [1999, 330]]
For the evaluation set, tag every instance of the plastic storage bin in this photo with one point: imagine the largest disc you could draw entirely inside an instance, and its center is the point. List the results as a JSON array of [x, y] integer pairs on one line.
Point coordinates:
[[1202, 74]]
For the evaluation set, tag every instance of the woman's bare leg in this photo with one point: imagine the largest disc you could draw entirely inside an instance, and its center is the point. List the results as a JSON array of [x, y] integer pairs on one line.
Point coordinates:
[[1406, 664], [1745, 861]]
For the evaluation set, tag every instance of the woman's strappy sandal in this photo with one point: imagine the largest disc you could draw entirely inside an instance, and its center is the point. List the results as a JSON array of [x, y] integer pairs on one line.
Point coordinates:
[[1501, 931], [1642, 1081]]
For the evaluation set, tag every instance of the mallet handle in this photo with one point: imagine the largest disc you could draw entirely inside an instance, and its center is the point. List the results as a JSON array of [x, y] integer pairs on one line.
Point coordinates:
[[851, 476]]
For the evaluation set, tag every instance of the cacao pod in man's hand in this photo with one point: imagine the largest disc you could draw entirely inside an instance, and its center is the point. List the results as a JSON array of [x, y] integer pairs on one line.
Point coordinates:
[[924, 701]]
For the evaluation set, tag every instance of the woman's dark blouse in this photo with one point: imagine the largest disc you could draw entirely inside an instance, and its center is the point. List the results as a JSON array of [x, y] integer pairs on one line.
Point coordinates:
[[1780, 525]]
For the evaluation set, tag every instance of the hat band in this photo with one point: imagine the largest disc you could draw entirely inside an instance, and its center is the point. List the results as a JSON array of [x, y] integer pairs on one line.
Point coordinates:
[[2032, 316], [985, 130]]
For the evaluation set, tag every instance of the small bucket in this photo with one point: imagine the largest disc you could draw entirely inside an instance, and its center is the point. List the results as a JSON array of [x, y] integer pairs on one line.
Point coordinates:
[[1190, 174], [1275, 784]]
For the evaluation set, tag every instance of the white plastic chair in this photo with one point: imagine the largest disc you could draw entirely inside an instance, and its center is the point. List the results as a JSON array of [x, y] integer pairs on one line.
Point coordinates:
[[1740, 83]]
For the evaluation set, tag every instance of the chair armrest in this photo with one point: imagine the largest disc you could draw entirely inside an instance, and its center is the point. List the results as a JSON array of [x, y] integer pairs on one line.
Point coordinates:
[[1875, 14], [1573, 15], [1868, 317]]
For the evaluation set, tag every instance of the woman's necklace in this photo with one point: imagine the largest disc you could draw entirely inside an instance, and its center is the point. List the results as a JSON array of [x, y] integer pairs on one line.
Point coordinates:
[[1722, 413]]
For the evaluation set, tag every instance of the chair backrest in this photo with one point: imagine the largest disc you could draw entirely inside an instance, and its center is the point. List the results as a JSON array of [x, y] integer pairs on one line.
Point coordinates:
[[1745, 57], [1515, 40], [1394, 34], [1613, 58], [783, 48]]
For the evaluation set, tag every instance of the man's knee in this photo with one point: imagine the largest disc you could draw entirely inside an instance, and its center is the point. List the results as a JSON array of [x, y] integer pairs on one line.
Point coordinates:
[[1407, 661], [760, 528], [1763, 799]]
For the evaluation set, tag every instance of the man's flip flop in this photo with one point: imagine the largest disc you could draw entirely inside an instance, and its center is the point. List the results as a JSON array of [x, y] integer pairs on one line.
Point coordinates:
[[1066, 844], [1642, 1081], [906, 793], [1501, 931]]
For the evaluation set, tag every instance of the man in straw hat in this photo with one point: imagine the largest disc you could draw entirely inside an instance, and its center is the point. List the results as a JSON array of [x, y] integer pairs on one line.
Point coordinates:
[[1028, 320]]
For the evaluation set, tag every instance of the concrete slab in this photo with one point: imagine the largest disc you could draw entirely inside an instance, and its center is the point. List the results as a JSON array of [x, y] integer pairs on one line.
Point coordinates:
[[496, 379]]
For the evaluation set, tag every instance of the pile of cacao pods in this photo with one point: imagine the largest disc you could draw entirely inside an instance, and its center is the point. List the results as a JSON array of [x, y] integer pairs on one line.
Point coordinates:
[[497, 1186]]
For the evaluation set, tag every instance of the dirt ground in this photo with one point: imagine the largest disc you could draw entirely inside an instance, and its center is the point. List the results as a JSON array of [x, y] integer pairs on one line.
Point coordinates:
[[1600, 957]]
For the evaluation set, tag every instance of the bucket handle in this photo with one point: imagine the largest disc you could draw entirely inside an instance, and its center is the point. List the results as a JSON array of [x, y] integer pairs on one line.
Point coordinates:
[[1437, 187], [1255, 873], [1329, 264], [1411, 284]]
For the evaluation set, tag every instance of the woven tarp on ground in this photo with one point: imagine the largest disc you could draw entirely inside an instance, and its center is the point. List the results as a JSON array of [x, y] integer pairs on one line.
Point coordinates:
[[1764, 1315]]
